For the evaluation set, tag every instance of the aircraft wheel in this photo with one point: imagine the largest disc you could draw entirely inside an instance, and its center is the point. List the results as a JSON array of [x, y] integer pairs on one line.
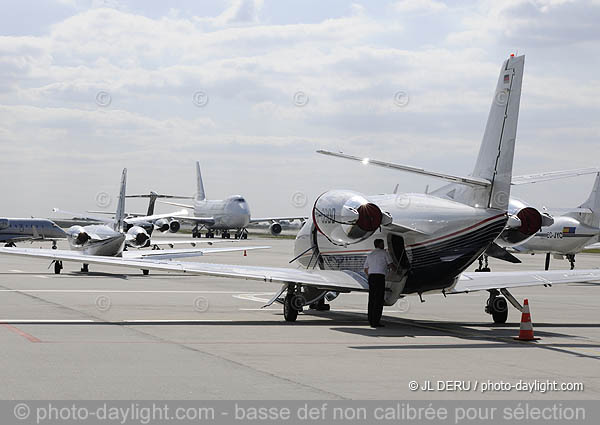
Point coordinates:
[[85, 268], [289, 311], [499, 309], [145, 272], [57, 267]]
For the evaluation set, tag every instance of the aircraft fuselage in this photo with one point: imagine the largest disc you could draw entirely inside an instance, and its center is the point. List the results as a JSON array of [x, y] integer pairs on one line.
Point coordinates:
[[448, 236]]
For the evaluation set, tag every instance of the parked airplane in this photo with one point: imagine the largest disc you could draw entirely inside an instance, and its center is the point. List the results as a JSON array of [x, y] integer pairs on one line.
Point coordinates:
[[111, 240], [14, 230], [432, 239], [571, 232], [222, 215]]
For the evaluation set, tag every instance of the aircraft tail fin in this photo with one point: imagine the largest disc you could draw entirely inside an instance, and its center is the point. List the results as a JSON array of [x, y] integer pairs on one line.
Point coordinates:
[[120, 213], [496, 153], [200, 194], [593, 203]]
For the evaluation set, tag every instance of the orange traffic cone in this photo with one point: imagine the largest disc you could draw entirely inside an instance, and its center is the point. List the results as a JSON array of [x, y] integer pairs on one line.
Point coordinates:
[[245, 255], [526, 329]]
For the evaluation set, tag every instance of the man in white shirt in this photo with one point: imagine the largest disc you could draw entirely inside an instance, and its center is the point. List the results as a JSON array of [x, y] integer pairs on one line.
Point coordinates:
[[376, 267]]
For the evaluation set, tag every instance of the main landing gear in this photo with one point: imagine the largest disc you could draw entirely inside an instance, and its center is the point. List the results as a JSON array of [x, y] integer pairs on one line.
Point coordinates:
[[57, 266], [571, 258], [483, 264], [293, 303], [10, 245], [497, 306], [85, 268]]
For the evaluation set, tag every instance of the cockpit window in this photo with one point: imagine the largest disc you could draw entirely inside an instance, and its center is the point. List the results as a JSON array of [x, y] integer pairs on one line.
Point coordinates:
[[240, 200]]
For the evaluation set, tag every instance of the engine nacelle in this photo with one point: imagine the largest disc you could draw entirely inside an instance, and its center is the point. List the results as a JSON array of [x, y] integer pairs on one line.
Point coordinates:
[[524, 222], [174, 226], [346, 217], [137, 236], [162, 225], [78, 235], [275, 228]]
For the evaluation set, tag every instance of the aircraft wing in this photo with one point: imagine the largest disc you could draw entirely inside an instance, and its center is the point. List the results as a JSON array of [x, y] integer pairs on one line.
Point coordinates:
[[207, 221], [192, 241], [272, 219], [471, 181], [552, 175], [177, 204], [184, 253], [142, 218], [341, 281], [132, 259], [472, 281]]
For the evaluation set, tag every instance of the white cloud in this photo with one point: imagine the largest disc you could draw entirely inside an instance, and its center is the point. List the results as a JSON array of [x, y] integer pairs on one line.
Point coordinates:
[[350, 64], [427, 6]]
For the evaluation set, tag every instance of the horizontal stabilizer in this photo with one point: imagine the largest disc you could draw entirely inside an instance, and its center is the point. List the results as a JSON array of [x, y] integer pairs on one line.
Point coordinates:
[[552, 175], [84, 215], [471, 181]]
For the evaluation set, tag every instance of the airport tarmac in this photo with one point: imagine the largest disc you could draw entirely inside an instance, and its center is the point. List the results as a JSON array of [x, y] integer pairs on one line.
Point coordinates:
[[121, 335]]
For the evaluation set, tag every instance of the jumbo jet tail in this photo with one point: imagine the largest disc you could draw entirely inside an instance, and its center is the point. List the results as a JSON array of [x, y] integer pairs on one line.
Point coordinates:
[[200, 195], [120, 213], [495, 159]]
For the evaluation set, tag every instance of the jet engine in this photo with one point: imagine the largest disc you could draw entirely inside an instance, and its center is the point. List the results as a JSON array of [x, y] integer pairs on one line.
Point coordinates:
[[137, 237], [346, 217], [174, 226], [79, 235], [162, 225], [523, 223], [275, 228]]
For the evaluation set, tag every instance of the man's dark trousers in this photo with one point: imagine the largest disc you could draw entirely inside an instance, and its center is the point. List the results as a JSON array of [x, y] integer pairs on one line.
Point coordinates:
[[376, 297]]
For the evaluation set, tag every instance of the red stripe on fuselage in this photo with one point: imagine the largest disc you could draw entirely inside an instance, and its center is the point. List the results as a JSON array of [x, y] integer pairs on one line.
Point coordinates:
[[457, 232]]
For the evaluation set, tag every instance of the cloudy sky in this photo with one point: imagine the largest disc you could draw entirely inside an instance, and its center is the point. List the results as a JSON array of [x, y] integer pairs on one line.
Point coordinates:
[[251, 88]]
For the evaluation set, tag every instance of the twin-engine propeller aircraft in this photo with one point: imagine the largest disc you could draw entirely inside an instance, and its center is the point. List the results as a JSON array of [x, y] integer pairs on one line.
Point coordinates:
[[111, 239], [432, 238], [222, 215], [570, 233], [13, 230]]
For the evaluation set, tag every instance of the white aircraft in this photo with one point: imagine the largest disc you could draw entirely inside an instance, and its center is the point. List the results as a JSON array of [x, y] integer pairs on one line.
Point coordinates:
[[433, 239], [221, 215], [571, 233], [14, 230], [110, 240]]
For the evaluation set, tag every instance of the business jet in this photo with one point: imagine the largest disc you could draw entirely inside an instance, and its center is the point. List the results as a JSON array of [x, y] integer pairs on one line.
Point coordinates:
[[112, 238], [571, 233], [13, 230], [524, 221], [433, 239], [221, 215]]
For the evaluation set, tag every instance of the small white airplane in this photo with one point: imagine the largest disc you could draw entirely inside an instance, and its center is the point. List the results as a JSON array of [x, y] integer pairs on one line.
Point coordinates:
[[13, 230], [433, 239], [112, 238], [572, 231], [220, 215]]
